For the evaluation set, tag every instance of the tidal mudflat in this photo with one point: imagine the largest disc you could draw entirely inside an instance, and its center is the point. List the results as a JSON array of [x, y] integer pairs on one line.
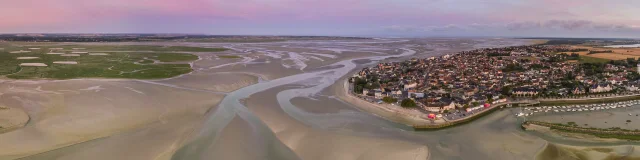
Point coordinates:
[[273, 100]]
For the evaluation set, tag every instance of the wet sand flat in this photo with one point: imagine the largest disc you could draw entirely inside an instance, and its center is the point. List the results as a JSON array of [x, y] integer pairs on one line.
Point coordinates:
[[64, 113], [565, 152], [311, 143], [154, 141], [219, 82]]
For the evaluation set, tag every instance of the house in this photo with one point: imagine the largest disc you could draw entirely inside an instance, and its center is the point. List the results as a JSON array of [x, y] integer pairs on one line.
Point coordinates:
[[377, 94], [417, 95], [599, 88], [578, 90], [410, 85], [631, 87], [524, 91], [440, 106]]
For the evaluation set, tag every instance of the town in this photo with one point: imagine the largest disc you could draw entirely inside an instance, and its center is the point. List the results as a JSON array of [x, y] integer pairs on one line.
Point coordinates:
[[474, 80]]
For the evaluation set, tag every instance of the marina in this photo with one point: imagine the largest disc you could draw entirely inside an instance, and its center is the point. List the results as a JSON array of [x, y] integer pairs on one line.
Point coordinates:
[[530, 111]]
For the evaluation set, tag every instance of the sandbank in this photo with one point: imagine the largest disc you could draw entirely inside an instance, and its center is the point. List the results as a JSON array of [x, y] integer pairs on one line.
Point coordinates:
[[27, 57], [70, 55], [33, 64], [12, 118], [65, 62], [219, 82], [20, 51]]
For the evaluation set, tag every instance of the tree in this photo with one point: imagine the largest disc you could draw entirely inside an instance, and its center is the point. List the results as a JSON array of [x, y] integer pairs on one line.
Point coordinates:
[[408, 103], [475, 104], [445, 111], [506, 90], [389, 100]]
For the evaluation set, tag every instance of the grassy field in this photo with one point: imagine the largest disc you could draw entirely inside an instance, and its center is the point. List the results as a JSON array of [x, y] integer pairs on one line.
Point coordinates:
[[135, 65], [587, 59]]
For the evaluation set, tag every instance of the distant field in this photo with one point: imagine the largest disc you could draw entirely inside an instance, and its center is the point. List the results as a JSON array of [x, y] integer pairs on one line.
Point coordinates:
[[135, 65], [618, 53], [588, 59], [539, 41]]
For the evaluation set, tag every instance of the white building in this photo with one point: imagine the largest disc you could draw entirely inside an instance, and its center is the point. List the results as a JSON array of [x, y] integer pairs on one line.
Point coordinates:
[[410, 85]]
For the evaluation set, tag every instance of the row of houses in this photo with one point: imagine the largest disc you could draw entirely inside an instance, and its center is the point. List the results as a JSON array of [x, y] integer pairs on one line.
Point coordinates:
[[481, 76]]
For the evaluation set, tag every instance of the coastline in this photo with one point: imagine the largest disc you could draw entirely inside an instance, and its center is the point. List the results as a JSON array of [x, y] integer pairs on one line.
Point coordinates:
[[418, 120], [381, 111]]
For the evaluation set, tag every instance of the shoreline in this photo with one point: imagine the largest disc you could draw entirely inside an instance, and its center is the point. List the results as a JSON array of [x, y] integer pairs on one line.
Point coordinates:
[[417, 122], [421, 123], [378, 110]]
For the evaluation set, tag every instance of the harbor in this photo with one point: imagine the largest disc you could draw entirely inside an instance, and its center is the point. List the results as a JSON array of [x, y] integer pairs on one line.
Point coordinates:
[[530, 111]]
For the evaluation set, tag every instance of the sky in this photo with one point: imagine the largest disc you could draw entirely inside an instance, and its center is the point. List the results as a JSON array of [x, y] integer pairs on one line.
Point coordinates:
[[417, 18]]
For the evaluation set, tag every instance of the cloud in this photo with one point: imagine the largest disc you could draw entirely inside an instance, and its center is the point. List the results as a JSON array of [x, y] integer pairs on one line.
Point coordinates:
[[557, 25]]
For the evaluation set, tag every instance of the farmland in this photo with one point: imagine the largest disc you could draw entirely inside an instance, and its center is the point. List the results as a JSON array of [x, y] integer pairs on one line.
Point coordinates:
[[616, 53]]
